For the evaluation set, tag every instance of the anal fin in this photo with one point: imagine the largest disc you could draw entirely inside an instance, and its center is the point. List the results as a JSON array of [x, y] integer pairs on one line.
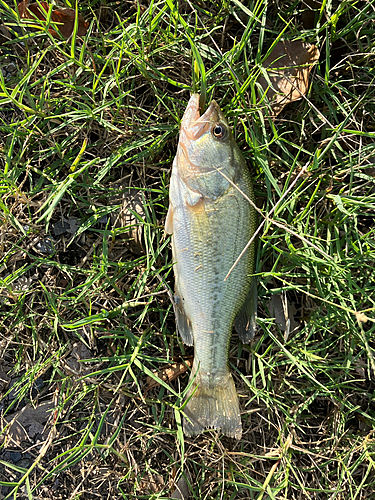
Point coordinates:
[[246, 320]]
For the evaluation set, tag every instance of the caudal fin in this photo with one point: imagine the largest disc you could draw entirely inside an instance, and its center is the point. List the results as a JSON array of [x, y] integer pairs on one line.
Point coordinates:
[[214, 405]]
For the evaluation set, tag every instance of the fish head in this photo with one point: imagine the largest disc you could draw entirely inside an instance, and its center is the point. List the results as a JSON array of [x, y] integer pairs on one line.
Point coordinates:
[[207, 154]]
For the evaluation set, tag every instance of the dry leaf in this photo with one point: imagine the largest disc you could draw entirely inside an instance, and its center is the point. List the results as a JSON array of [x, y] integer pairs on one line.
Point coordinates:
[[131, 202], [288, 68], [64, 18], [169, 373], [152, 483], [74, 363], [27, 423], [182, 488], [70, 225], [283, 311]]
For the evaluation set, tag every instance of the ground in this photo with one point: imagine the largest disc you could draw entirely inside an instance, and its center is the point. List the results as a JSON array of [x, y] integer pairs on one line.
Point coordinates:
[[92, 371]]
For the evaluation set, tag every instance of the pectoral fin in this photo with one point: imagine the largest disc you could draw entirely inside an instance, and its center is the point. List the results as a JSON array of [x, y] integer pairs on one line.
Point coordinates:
[[169, 220], [183, 323], [246, 320], [192, 198]]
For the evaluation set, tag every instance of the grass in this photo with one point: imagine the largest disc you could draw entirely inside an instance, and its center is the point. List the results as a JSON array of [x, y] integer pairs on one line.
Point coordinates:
[[86, 317]]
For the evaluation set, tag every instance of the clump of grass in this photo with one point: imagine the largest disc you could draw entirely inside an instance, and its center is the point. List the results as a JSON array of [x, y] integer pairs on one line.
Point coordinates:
[[85, 320]]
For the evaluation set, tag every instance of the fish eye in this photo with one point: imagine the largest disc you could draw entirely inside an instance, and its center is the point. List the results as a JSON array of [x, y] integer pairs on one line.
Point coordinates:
[[219, 131]]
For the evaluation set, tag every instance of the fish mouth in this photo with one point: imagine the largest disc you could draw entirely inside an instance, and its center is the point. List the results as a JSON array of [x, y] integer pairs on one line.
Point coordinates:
[[195, 125]]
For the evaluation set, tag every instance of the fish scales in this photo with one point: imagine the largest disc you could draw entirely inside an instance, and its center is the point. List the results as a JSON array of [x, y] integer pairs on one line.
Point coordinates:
[[211, 222]]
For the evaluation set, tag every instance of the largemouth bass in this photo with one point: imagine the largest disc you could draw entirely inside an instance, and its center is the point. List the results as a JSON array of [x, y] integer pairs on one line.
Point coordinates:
[[211, 221]]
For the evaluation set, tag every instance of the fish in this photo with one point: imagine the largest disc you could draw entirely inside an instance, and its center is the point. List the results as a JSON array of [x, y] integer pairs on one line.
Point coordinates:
[[211, 221]]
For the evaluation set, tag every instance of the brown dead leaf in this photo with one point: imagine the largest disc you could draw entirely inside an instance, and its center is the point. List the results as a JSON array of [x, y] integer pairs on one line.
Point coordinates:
[[283, 311], [64, 18], [75, 363], [132, 203], [288, 68], [169, 373], [182, 491], [27, 422], [152, 483]]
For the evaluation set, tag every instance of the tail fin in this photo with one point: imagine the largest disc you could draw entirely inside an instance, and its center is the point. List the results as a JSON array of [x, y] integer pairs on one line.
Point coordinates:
[[214, 404]]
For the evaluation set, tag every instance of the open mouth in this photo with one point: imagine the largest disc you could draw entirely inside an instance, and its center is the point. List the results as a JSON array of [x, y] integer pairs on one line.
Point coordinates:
[[193, 124]]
